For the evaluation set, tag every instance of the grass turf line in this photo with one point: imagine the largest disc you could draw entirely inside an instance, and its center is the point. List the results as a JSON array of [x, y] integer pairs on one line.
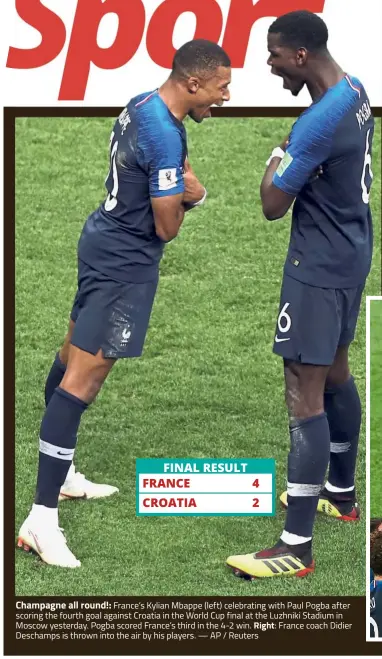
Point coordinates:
[[208, 384]]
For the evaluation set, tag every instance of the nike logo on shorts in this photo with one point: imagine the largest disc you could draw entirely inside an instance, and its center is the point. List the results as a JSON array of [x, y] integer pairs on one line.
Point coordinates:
[[278, 340]]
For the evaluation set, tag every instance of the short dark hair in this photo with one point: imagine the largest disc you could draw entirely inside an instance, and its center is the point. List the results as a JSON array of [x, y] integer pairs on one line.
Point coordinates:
[[199, 57], [376, 553], [301, 29], [374, 523]]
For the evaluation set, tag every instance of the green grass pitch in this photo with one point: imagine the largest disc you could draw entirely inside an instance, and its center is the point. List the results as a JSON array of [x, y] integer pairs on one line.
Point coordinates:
[[208, 384], [375, 407]]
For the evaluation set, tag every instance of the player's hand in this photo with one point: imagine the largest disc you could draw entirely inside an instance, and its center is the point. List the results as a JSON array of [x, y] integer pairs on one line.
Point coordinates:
[[194, 190], [316, 174]]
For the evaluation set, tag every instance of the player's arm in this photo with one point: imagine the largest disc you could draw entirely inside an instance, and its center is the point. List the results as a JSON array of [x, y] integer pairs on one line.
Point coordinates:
[[168, 206], [160, 154], [275, 202], [195, 193], [168, 215], [171, 189], [169, 210], [304, 152]]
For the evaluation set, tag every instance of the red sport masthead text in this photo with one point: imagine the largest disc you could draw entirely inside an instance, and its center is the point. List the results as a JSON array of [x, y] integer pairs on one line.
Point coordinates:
[[84, 50]]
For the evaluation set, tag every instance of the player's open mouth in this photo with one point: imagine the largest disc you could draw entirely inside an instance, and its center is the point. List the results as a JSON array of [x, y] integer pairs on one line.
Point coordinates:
[[286, 84], [208, 112]]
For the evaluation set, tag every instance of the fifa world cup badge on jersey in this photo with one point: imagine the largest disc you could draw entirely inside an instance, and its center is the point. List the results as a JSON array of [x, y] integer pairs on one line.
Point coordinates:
[[167, 179], [284, 164]]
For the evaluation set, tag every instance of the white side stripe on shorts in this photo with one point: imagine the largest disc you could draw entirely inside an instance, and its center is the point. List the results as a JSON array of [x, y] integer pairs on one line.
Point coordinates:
[[303, 490], [340, 447], [56, 451]]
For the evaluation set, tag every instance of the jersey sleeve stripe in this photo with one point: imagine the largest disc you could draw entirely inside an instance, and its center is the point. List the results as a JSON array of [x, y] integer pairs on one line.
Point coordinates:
[[352, 85], [146, 99]]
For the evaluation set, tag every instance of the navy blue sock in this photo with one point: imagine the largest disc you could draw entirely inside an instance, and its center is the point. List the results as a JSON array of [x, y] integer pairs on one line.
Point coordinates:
[[307, 463], [343, 409], [58, 436], [54, 378]]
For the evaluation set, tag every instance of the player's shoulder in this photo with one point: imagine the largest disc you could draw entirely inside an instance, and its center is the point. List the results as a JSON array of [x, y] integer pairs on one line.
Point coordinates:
[[145, 103], [158, 130], [338, 100], [321, 119], [152, 114], [378, 586]]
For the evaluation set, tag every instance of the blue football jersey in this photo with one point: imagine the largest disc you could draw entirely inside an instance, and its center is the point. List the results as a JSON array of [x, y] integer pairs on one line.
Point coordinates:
[[375, 606], [148, 147], [331, 233]]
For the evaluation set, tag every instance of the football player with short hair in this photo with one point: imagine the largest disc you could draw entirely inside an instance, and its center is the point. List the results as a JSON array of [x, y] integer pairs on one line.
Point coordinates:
[[324, 169], [150, 186]]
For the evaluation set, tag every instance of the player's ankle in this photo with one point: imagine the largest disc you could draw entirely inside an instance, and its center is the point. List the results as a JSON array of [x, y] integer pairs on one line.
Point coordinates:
[[339, 495], [300, 550], [44, 515]]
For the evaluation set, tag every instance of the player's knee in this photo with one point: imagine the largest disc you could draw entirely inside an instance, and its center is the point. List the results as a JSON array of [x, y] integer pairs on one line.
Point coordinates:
[[303, 400], [337, 376], [304, 390], [85, 391], [84, 387], [339, 372], [302, 406], [64, 350], [97, 380]]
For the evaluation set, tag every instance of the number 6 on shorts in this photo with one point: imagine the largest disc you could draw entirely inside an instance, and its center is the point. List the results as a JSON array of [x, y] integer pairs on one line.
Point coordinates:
[[284, 321]]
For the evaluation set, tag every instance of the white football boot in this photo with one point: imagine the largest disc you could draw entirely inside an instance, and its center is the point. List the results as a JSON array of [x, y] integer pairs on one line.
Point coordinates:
[[45, 538], [77, 486]]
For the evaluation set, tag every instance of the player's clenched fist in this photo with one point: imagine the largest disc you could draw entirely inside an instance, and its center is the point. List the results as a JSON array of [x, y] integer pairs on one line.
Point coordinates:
[[194, 192]]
